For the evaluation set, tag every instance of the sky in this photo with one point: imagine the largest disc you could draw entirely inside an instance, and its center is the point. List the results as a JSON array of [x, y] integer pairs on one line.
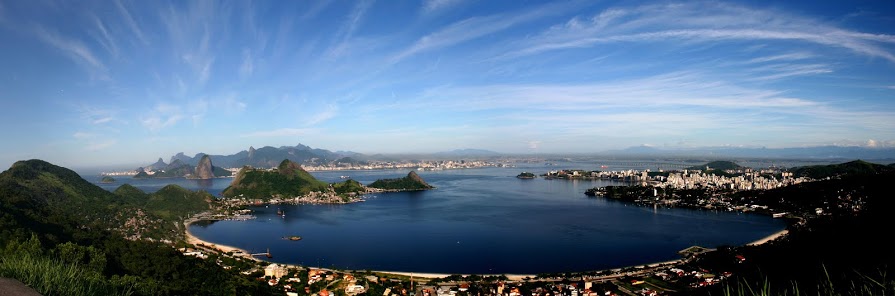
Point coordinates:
[[118, 82]]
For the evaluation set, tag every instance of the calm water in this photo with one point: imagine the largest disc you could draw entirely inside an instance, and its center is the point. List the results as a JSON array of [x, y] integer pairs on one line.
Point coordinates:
[[476, 221]]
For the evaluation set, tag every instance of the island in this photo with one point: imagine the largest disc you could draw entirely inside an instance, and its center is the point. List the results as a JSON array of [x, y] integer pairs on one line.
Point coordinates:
[[107, 180], [526, 175], [412, 182], [290, 182]]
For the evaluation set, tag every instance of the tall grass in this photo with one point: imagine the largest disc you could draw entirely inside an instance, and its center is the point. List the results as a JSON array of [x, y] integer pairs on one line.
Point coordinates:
[[859, 284], [50, 276]]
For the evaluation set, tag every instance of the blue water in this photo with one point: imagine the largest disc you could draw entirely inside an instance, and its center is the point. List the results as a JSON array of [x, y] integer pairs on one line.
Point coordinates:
[[476, 221]]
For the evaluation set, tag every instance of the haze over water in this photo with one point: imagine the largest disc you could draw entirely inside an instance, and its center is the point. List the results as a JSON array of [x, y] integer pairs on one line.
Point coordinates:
[[476, 221]]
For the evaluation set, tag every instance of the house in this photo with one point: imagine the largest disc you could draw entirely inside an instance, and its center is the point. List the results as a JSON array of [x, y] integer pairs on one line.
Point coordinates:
[[275, 271], [323, 292]]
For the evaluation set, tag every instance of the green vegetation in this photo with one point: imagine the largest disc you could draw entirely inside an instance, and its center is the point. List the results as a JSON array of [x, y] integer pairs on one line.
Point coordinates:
[[411, 182], [717, 165], [50, 276], [107, 179], [857, 167], [526, 175], [55, 236], [287, 180], [349, 187], [175, 203]]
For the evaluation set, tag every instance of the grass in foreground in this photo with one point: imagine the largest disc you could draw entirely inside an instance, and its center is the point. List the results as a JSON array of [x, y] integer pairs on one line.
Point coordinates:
[[53, 277]]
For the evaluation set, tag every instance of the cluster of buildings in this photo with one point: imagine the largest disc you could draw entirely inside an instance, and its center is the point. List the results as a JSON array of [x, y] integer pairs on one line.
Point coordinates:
[[428, 165], [744, 179]]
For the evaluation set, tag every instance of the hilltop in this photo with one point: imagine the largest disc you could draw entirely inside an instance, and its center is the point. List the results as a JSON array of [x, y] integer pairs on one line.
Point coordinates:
[[181, 169], [856, 167], [720, 165], [61, 191], [409, 183], [288, 179], [267, 157], [62, 235]]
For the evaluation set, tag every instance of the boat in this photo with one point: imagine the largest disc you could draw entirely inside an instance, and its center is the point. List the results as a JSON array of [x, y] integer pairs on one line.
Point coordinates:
[[344, 177], [280, 212], [292, 237]]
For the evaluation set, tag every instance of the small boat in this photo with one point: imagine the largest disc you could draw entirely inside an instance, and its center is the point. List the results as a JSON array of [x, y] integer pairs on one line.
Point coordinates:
[[292, 237], [344, 177], [280, 212]]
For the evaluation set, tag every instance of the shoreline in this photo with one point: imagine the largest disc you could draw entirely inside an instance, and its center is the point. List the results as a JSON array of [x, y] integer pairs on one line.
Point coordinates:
[[192, 239], [769, 238], [196, 241]]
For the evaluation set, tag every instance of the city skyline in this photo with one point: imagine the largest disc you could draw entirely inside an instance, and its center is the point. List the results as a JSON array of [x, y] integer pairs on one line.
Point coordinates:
[[119, 82]]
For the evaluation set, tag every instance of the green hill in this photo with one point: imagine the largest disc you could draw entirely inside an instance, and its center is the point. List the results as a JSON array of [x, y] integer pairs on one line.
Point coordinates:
[[287, 180], [175, 203], [411, 182], [349, 187], [857, 167], [717, 165], [62, 235]]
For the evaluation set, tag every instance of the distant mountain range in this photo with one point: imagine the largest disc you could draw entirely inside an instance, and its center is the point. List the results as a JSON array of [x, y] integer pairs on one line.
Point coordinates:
[[819, 152], [268, 157]]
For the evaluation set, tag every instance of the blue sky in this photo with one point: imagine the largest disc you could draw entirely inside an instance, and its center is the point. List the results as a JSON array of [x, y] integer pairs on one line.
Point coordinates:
[[119, 82]]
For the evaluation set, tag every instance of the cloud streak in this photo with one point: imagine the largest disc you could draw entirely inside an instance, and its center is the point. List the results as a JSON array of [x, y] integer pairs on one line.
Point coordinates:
[[75, 50], [697, 23]]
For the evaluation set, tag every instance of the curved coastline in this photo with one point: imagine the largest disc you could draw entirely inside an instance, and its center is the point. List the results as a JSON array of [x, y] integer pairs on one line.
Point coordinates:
[[192, 239]]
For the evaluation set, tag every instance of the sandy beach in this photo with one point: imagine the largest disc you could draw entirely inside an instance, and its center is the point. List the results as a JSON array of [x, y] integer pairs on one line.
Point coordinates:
[[768, 238], [191, 239]]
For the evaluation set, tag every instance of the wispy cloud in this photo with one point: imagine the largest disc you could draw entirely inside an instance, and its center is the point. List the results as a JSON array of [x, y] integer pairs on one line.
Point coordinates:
[[697, 22], [476, 27], [102, 36], [129, 21], [96, 116], [329, 112], [162, 116], [433, 6], [247, 67], [782, 57], [75, 50], [283, 132]]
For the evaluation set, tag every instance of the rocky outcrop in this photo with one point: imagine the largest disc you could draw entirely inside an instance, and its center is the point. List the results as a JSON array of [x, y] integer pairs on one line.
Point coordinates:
[[251, 152], [419, 180], [204, 170], [158, 165]]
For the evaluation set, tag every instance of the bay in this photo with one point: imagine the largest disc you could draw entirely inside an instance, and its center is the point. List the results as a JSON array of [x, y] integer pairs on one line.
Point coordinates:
[[479, 221]]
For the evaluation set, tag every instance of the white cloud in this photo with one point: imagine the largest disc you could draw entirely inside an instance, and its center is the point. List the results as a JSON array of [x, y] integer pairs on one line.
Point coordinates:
[[474, 28], [75, 50], [432, 6], [162, 116], [247, 67], [129, 20], [701, 22], [330, 111], [783, 57]]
